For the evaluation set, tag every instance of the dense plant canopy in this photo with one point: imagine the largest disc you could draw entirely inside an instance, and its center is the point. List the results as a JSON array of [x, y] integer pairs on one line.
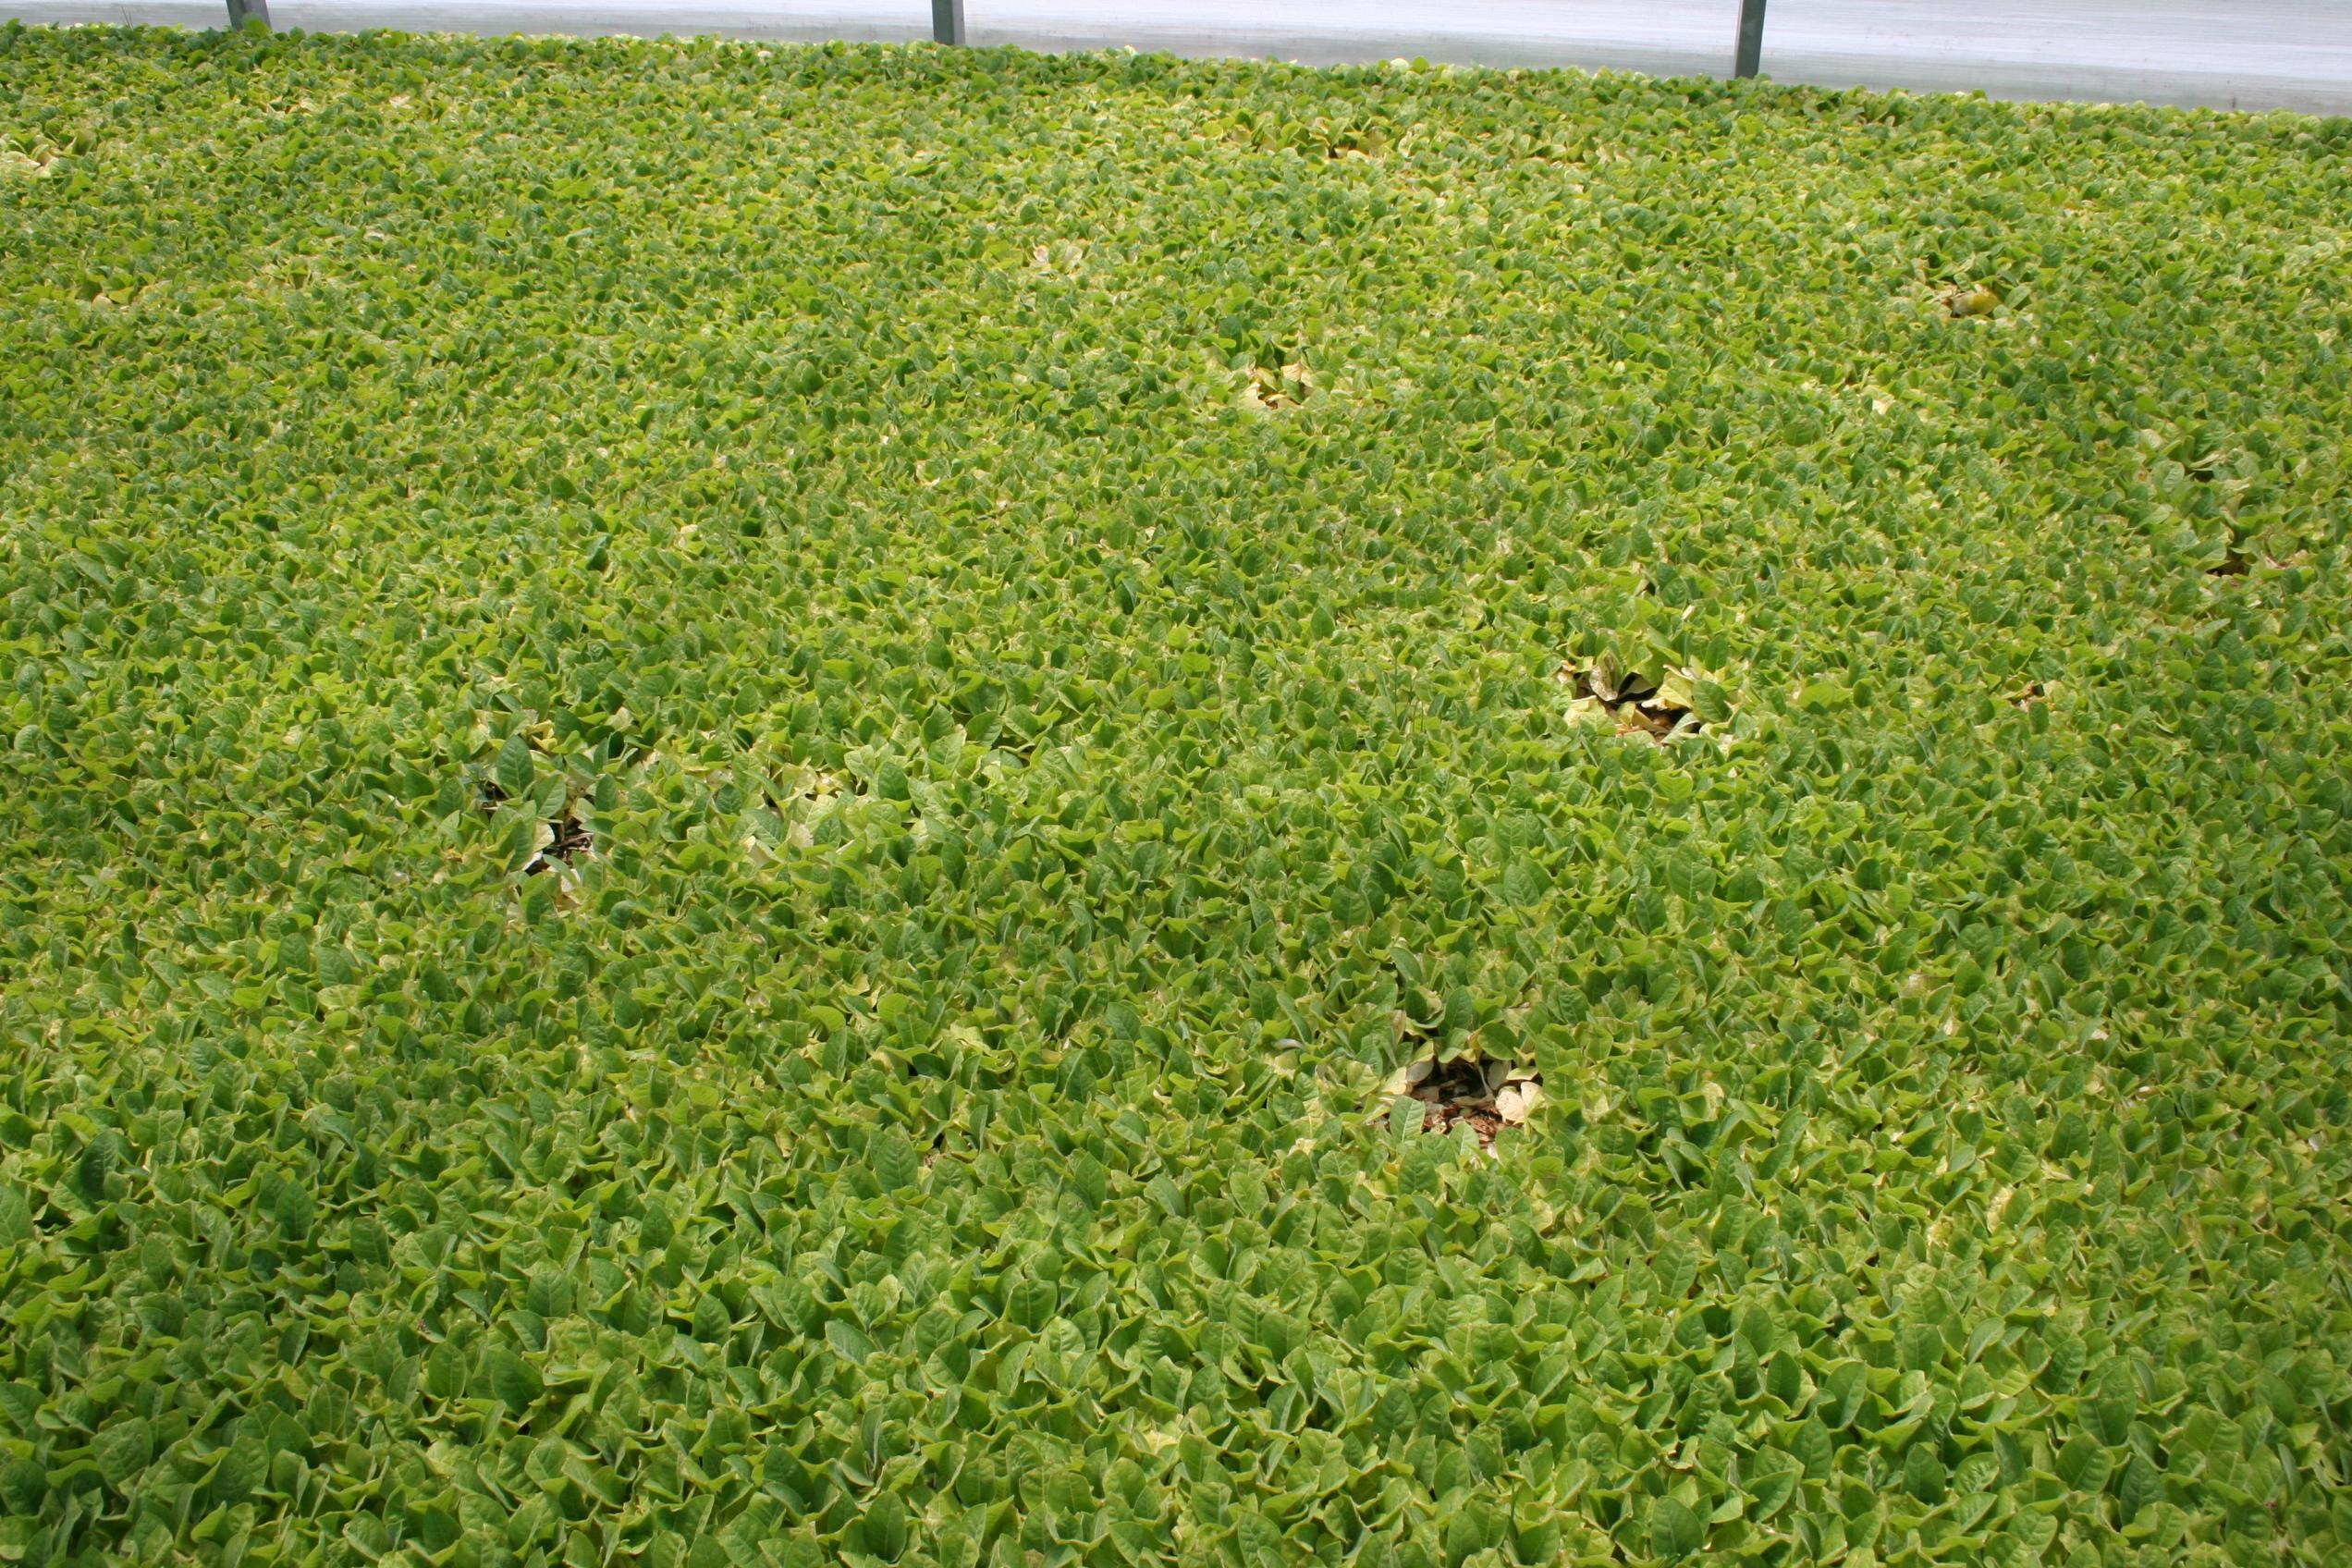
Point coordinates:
[[738, 781]]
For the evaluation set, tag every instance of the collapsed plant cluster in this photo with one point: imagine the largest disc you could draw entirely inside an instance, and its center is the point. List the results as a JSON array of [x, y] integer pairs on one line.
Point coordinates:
[[740, 782]]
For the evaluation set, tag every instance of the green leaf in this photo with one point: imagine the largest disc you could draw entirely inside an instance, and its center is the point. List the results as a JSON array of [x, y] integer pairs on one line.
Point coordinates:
[[2138, 1486], [548, 1293], [1771, 1481], [2118, 1401], [884, 1526], [2083, 1464], [1261, 1544], [2032, 1532], [846, 1341], [1674, 1531], [24, 1486], [896, 1166], [1823, 695], [1031, 1303], [514, 1382], [241, 1468], [1811, 1446], [1524, 882], [512, 768], [1924, 1475], [1843, 1390], [124, 1448]]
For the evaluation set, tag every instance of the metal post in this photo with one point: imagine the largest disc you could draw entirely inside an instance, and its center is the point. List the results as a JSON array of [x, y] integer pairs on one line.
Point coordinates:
[[1749, 57], [947, 20], [243, 11]]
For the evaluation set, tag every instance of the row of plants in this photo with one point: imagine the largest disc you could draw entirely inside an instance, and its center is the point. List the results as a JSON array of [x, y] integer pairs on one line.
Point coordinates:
[[774, 806]]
